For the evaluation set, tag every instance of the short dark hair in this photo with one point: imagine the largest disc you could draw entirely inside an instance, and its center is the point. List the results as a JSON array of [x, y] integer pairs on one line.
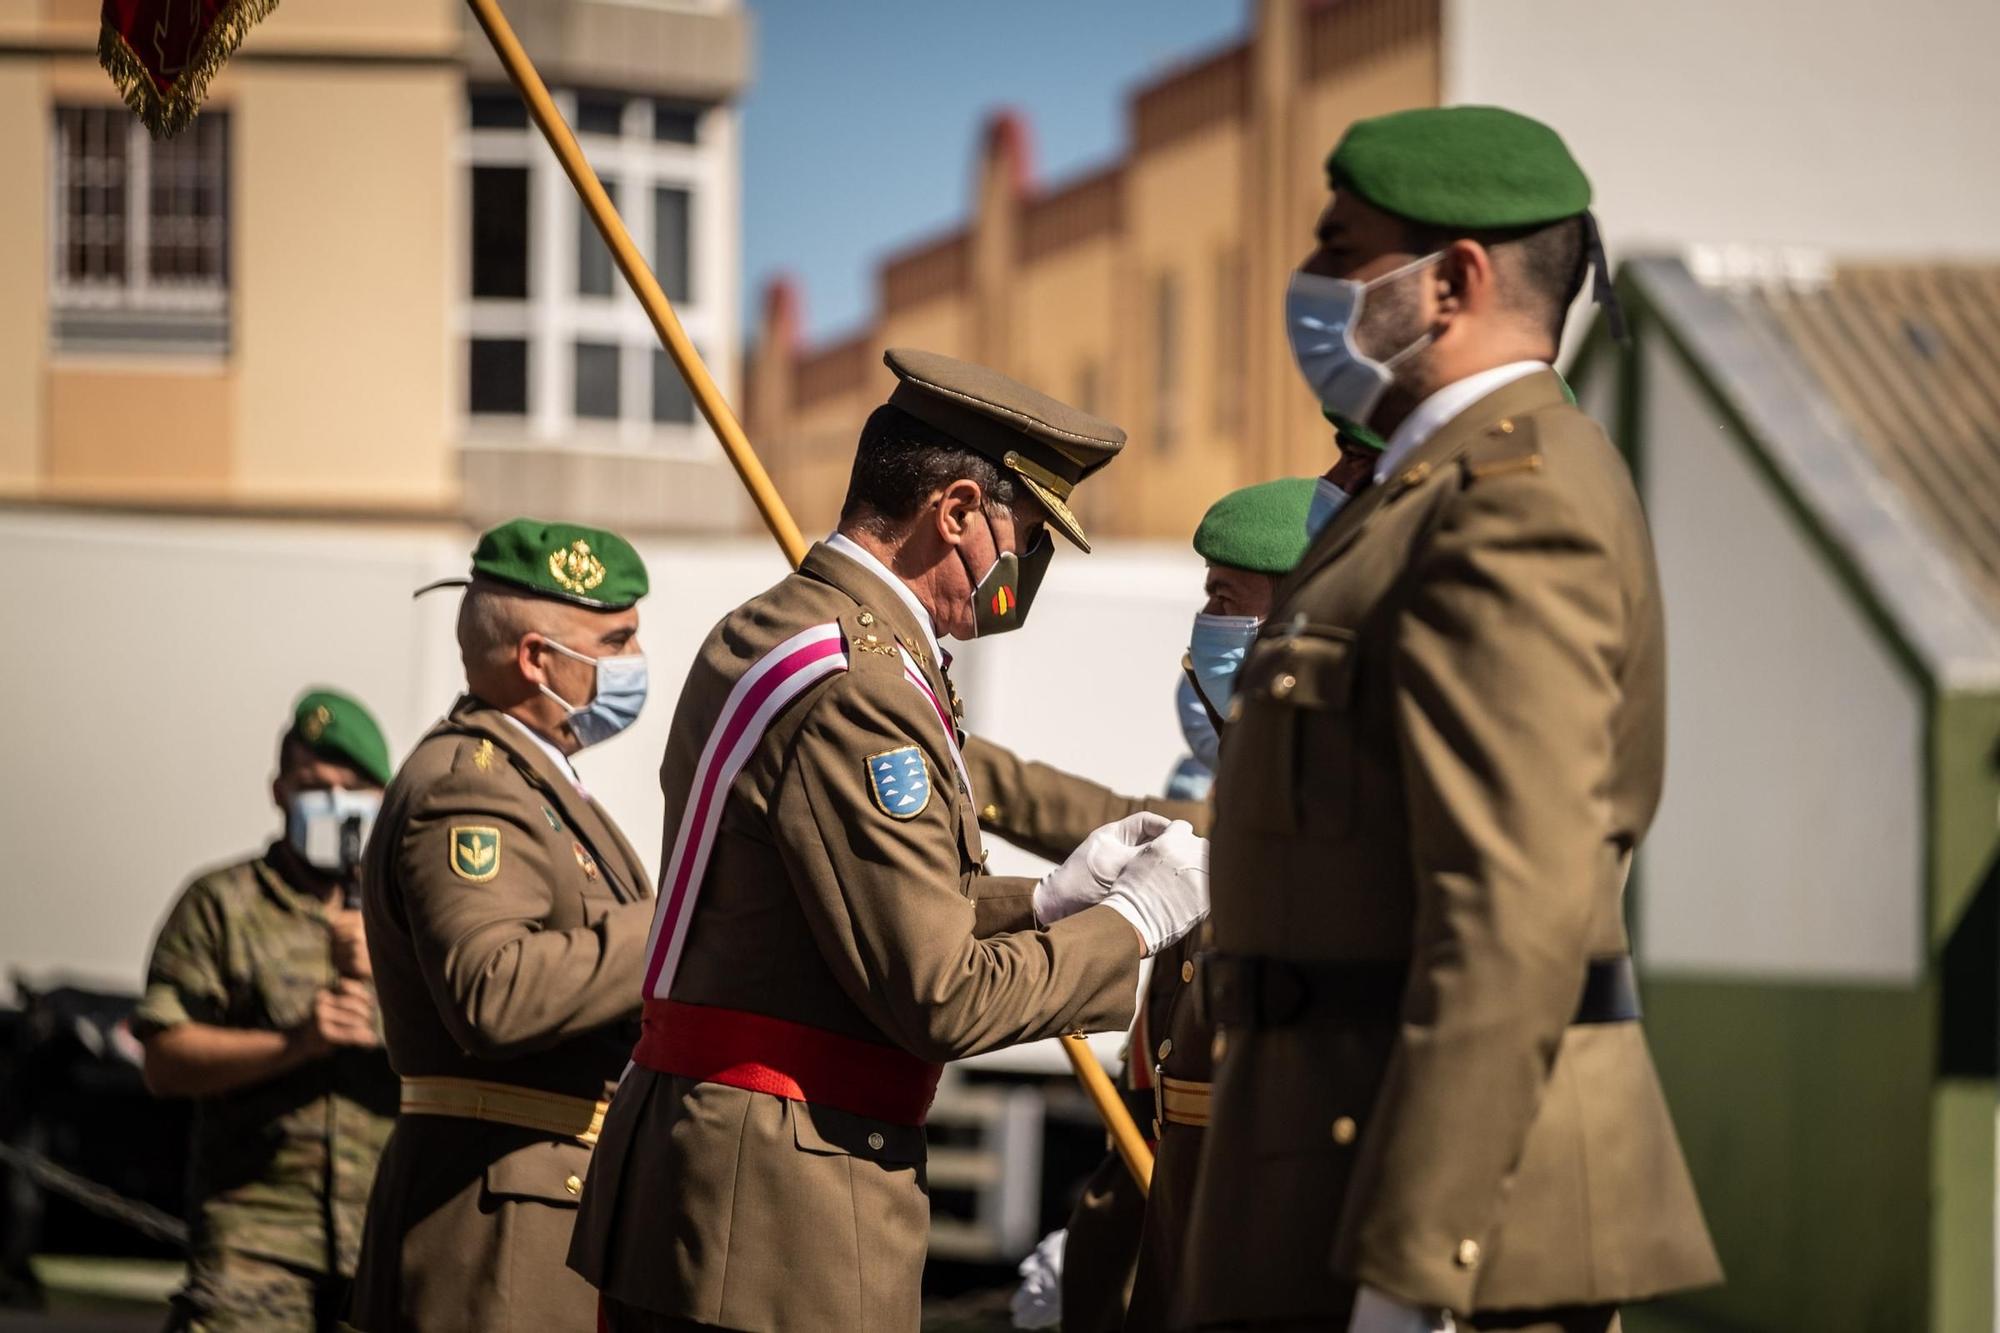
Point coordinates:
[[1547, 260], [901, 462]]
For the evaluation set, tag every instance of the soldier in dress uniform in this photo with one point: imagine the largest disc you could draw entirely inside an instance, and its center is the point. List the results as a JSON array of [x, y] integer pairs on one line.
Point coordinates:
[[258, 1006], [1123, 1250], [1434, 1106], [507, 918], [826, 937]]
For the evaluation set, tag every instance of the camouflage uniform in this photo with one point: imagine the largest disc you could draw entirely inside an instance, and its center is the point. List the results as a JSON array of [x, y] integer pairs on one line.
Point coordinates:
[[279, 1172]]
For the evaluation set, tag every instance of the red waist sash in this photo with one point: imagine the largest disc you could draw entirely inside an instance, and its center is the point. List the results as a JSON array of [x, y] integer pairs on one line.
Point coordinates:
[[786, 1059]]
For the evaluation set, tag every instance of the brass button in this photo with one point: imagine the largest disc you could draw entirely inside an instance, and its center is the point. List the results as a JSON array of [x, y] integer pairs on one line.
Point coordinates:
[[1344, 1130], [574, 1185], [1187, 971], [1468, 1253], [1166, 1048], [875, 1142], [866, 617], [1507, 428], [989, 812], [1282, 687], [1414, 476], [1218, 1047]]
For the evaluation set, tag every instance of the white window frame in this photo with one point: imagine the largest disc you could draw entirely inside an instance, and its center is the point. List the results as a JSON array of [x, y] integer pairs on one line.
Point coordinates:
[[136, 311], [554, 317]]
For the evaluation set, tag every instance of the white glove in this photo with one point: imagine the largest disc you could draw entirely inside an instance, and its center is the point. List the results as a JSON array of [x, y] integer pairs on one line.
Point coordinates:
[[1037, 1301], [1163, 890], [1087, 875], [1376, 1313]]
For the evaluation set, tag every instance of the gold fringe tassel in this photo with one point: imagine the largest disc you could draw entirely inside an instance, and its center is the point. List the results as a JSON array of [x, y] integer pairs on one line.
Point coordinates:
[[166, 115]]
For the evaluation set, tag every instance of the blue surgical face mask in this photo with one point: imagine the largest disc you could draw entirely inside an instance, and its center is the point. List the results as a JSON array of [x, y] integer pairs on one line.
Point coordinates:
[[1328, 500], [1216, 648], [1196, 728], [621, 693], [1321, 315]]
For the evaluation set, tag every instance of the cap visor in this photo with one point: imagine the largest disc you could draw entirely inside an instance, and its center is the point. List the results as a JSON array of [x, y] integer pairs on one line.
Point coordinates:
[[1058, 512]]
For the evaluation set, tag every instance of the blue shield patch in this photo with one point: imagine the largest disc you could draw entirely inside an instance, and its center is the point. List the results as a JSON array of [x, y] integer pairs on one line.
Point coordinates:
[[900, 781]]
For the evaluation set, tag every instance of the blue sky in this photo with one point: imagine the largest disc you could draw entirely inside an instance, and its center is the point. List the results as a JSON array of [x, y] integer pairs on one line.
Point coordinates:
[[860, 129]]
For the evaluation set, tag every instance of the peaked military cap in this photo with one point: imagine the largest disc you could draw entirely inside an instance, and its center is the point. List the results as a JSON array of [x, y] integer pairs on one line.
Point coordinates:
[[1050, 445], [335, 726], [1261, 528], [567, 562], [1476, 167]]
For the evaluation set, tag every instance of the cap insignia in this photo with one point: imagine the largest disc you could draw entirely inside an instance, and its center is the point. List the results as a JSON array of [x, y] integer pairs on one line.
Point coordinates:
[[316, 725], [575, 569]]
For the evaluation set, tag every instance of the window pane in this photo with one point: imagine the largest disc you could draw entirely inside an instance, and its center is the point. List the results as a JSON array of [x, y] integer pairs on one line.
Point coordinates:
[[600, 113], [94, 143], [500, 231], [186, 221], [499, 378], [672, 400], [498, 109], [675, 124], [597, 380], [593, 256], [671, 209], [1166, 362]]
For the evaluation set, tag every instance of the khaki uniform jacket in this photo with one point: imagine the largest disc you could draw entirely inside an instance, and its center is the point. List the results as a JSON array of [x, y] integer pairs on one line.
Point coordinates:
[[1450, 739], [1123, 1255], [750, 1211], [520, 968]]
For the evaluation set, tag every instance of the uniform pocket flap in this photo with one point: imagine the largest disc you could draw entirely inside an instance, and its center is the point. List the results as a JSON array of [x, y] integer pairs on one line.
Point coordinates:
[[551, 1171], [823, 1129], [1304, 666]]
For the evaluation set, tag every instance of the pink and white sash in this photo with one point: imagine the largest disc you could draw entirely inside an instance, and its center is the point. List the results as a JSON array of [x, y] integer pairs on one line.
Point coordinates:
[[774, 681]]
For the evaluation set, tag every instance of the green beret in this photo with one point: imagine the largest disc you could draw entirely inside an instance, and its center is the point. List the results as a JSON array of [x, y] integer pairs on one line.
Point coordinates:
[[1348, 431], [587, 567], [334, 726], [1476, 167], [1261, 528]]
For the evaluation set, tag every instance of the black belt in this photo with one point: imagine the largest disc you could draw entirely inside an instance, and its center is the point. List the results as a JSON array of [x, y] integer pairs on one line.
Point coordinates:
[[1242, 991]]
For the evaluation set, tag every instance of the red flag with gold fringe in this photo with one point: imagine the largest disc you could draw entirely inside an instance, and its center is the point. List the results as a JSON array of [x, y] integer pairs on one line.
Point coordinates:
[[162, 53]]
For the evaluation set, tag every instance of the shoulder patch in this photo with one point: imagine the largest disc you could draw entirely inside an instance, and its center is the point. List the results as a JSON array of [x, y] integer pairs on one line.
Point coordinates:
[[475, 852], [900, 781]]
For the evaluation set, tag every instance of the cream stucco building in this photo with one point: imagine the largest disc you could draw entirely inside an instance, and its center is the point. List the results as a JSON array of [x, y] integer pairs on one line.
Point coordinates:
[[358, 285]]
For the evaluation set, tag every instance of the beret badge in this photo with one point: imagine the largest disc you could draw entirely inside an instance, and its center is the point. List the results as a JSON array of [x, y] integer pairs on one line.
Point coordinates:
[[574, 568]]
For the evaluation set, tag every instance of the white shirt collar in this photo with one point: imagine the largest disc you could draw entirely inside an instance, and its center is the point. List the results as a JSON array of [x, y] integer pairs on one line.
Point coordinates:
[[1442, 406], [556, 757], [865, 558]]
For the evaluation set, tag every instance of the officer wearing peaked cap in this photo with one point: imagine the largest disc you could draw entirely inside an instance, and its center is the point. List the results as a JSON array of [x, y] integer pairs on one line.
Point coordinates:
[[826, 937], [507, 920], [1436, 1103]]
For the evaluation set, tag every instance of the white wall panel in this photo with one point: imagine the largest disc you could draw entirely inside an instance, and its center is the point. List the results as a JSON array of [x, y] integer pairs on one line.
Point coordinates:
[[1789, 843]]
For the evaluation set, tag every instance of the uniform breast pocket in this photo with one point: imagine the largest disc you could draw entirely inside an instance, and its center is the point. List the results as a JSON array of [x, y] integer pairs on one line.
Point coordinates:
[[1289, 754]]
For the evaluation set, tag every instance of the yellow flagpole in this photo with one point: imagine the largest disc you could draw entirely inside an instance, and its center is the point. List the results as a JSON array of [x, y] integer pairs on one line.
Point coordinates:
[[1124, 1133]]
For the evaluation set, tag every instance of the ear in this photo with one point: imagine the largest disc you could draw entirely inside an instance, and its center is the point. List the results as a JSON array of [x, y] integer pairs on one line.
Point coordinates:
[[531, 653], [1464, 280], [957, 503]]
